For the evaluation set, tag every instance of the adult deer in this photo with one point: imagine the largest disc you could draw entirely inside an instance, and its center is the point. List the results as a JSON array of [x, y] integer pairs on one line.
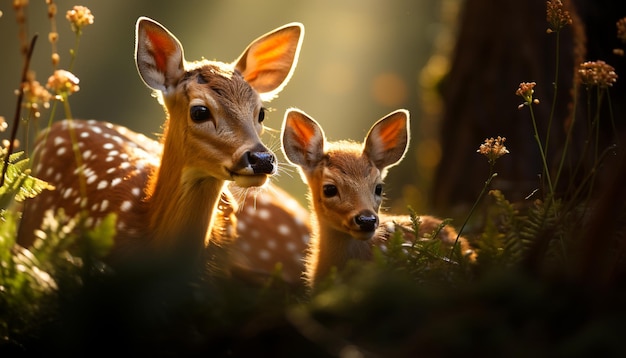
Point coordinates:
[[169, 195], [345, 182]]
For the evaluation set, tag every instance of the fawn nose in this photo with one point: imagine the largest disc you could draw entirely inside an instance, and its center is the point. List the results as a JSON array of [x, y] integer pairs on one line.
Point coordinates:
[[367, 221], [262, 162]]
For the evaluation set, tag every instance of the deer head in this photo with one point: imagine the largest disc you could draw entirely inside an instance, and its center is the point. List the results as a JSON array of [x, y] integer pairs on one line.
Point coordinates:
[[345, 178]]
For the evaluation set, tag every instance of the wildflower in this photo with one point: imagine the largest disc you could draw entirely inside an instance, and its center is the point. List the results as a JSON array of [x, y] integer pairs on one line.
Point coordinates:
[[493, 148], [19, 4], [597, 73], [557, 16], [63, 83], [621, 29], [35, 97], [3, 124], [79, 17], [52, 9], [7, 143], [526, 90]]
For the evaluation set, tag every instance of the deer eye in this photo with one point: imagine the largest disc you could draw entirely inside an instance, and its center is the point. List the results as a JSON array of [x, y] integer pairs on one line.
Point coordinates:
[[199, 113], [261, 115], [329, 190], [378, 190]]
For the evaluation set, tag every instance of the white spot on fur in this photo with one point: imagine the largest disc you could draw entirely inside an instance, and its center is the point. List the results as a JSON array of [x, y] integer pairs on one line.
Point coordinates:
[[264, 214], [102, 184], [126, 205], [264, 255], [58, 141], [245, 246], [67, 193], [291, 247], [284, 229]]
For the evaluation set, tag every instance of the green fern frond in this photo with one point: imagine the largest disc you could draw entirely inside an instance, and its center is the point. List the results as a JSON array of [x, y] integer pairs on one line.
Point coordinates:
[[19, 184], [510, 223]]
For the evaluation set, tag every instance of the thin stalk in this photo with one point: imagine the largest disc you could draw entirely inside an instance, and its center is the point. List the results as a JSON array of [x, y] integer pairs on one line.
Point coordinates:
[[555, 84], [611, 116], [18, 107], [77, 154], [74, 51], [541, 151], [596, 122], [469, 215], [567, 139]]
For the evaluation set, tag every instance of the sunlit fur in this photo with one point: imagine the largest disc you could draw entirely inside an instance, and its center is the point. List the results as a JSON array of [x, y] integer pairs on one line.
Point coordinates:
[[170, 195], [356, 170]]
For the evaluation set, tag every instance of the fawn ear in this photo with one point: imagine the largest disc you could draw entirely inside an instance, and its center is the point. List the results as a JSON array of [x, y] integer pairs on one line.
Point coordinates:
[[302, 139], [388, 140], [269, 61], [158, 55]]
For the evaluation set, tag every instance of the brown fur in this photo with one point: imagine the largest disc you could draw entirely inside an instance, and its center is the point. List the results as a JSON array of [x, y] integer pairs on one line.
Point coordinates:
[[171, 197], [356, 171]]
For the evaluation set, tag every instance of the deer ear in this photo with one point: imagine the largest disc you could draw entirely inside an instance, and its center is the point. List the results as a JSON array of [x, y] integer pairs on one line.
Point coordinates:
[[269, 61], [158, 55], [388, 139], [302, 139]]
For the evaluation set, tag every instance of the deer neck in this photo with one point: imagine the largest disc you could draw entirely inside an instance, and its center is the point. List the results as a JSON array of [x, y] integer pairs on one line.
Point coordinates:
[[183, 200], [335, 248]]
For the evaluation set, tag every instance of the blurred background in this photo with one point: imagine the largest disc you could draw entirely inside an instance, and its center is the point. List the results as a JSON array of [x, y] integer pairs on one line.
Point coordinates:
[[454, 64], [360, 60]]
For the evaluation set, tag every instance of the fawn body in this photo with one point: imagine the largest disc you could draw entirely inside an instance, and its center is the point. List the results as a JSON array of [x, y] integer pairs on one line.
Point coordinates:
[[169, 195], [345, 190]]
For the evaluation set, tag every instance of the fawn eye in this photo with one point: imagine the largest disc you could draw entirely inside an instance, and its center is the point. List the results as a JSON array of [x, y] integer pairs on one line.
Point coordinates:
[[329, 190], [379, 189], [199, 113], [261, 115]]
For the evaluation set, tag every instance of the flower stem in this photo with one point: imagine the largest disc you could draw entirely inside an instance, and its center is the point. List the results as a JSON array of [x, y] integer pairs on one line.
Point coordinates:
[[555, 84], [77, 155], [541, 151], [469, 215], [74, 51], [567, 139]]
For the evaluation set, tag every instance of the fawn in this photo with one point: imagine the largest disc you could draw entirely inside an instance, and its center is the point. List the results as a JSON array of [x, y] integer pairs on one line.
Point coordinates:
[[345, 182], [169, 195]]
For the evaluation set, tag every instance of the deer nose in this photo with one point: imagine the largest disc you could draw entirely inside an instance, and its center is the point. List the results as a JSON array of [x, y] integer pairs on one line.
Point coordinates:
[[261, 162], [367, 221]]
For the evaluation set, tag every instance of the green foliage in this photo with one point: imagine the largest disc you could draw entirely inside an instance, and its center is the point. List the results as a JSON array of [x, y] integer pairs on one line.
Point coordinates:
[[30, 279], [524, 296], [18, 183]]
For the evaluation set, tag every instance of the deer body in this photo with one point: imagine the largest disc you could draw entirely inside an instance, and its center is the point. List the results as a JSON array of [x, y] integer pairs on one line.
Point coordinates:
[[168, 195], [345, 182]]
